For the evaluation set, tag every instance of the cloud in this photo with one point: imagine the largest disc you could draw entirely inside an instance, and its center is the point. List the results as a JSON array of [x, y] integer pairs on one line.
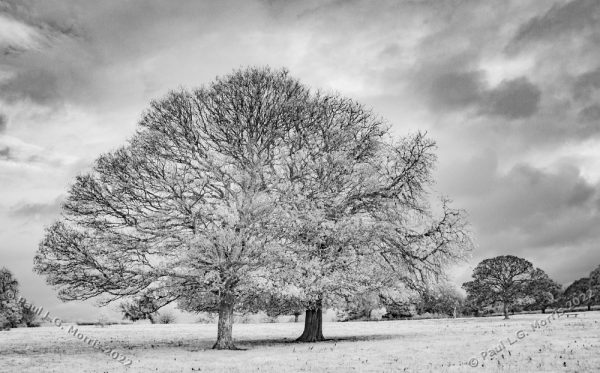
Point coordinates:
[[560, 20], [539, 214], [5, 153], [456, 90], [22, 153], [590, 114], [38, 55], [586, 84], [3, 123], [471, 177], [86, 54], [36, 211], [15, 36], [513, 99]]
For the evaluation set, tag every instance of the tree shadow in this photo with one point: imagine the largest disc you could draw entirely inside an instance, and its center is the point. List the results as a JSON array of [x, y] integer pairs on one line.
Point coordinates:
[[248, 344]]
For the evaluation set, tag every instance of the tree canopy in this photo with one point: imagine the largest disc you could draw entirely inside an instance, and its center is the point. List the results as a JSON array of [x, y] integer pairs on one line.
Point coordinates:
[[504, 279], [577, 288]]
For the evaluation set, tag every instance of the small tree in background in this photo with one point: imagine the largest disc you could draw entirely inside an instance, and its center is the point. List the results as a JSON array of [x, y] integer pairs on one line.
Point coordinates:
[[504, 279]]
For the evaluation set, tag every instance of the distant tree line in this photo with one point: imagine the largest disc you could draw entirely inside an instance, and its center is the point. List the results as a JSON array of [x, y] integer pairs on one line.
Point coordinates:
[[506, 284]]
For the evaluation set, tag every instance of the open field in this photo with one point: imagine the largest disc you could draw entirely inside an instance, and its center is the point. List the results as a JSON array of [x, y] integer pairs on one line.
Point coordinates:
[[446, 345]]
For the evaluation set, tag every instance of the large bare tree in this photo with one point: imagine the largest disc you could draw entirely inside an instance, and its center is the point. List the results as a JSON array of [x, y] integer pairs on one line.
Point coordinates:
[[184, 206]]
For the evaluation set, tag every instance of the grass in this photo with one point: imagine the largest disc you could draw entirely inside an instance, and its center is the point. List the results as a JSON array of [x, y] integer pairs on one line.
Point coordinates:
[[443, 345]]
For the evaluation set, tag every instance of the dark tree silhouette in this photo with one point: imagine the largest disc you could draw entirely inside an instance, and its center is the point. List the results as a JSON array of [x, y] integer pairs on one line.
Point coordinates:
[[504, 279]]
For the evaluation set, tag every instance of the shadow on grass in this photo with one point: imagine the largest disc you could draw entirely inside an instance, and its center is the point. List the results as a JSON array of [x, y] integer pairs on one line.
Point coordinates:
[[247, 344]]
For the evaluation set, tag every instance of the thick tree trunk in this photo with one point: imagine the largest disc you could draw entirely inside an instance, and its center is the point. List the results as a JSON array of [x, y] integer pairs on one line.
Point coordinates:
[[225, 326], [313, 326], [505, 311]]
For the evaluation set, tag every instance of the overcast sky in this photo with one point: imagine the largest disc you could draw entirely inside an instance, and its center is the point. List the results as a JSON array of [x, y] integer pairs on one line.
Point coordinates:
[[509, 90]]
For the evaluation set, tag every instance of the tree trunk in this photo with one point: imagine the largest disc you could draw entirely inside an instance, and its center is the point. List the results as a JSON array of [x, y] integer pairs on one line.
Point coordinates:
[[589, 306], [313, 326], [225, 325], [296, 315], [543, 309], [505, 311]]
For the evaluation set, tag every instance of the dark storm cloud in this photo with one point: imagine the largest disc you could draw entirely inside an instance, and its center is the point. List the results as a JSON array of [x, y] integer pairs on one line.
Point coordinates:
[[456, 90], [3, 123], [449, 83], [547, 208], [559, 20], [586, 84], [590, 114], [513, 99], [39, 85], [5, 153]]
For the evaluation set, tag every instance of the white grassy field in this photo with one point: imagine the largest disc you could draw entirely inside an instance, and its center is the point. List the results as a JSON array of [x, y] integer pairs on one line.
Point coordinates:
[[446, 345]]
